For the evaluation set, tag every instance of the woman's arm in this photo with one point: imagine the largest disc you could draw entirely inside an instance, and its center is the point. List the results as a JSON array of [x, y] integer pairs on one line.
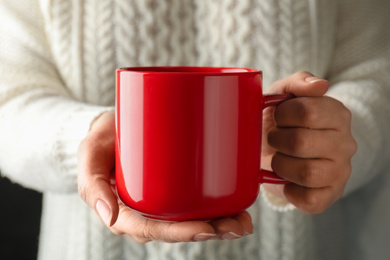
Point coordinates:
[[41, 123]]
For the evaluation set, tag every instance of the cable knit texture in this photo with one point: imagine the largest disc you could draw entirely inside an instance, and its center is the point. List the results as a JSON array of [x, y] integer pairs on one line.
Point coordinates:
[[58, 59]]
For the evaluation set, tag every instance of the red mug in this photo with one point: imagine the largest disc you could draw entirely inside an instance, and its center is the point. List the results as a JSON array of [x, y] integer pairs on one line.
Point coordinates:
[[188, 140]]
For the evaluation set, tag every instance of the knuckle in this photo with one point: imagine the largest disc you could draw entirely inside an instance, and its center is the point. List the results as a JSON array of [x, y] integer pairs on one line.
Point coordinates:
[[85, 194], [88, 186], [309, 110], [311, 202], [82, 190], [353, 146], [141, 240], [311, 205], [151, 231], [347, 146], [116, 231], [345, 113], [170, 232], [146, 232], [303, 73], [84, 145], [310, 174]]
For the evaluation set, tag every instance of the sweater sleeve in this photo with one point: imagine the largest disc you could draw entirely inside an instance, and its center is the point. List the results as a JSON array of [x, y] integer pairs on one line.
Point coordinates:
[[360, 78], [41, 123]]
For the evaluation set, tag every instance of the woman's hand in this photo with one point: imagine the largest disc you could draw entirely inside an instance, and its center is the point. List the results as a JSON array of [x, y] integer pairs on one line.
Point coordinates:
[[307, 140], [96, 160]]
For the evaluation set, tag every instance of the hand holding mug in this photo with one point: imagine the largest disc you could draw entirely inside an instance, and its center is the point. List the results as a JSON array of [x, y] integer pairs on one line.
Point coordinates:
[[96, 163], [308, 141]]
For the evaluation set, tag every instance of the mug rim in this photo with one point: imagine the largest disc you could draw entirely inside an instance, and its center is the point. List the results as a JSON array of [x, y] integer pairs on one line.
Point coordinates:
[[189, 70]]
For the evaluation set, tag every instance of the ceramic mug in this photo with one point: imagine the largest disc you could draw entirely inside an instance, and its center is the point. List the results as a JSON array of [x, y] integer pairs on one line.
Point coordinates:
[[188, 140]]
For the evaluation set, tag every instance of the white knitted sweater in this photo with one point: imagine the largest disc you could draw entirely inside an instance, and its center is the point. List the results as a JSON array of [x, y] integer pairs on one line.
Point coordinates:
[[57, 62]]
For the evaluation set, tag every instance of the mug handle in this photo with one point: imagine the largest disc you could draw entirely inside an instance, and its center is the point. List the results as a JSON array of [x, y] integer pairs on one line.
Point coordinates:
[[264, 175]]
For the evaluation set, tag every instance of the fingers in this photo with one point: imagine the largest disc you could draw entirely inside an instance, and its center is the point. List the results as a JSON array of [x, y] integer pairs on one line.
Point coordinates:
[[245, 219], [309, 143], [312, 127], [95, 163], [316, 183], [311, 173], [144, 230], [312, 112], [94, 185], [235, 227]]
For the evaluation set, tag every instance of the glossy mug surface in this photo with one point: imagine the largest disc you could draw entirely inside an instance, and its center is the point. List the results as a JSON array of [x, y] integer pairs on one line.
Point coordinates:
[[188, 140]]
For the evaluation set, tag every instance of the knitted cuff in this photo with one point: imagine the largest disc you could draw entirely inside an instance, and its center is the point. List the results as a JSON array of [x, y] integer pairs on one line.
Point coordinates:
[[274, 202], [74, 129]]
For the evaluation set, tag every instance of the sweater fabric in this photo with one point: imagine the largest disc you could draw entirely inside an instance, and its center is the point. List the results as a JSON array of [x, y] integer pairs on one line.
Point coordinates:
[[57, 64]]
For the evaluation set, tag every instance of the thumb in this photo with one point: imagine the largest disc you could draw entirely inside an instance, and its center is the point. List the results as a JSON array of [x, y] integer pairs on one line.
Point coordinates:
[[96, 160], [300, 84]]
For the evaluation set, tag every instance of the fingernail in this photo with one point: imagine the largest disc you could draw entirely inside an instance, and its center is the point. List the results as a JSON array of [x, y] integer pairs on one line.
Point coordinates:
[[313, 79], [204, 236], [104, 212], [247, 233], [230, 235]]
